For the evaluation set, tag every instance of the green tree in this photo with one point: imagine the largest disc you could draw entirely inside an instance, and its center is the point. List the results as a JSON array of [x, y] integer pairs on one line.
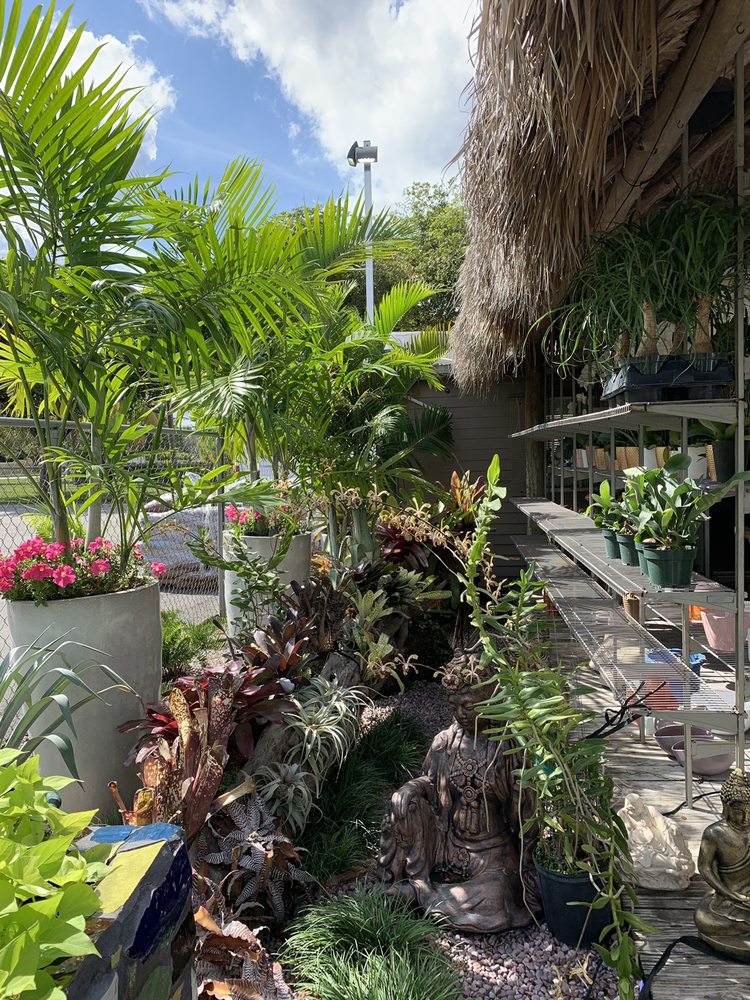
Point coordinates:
[[435, 220]]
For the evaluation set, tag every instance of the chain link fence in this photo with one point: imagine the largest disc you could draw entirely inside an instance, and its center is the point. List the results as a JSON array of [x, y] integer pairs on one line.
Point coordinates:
[[188, 587]]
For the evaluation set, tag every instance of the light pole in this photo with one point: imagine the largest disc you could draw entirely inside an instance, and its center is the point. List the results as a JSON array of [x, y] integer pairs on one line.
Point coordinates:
[[367, 154]]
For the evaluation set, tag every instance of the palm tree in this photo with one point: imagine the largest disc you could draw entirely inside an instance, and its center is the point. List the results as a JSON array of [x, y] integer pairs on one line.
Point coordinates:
[[82, 282]]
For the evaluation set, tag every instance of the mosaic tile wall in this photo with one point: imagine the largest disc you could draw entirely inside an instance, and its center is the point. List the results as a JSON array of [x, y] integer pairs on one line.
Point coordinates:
[[145, 932]]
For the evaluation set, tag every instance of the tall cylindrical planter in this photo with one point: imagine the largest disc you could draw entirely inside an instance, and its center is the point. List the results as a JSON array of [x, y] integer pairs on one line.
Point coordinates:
[[650, 459], [122, 631], [294, 566]]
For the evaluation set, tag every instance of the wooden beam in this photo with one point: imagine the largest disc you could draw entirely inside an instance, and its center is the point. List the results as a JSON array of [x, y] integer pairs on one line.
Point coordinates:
[[713, 41]]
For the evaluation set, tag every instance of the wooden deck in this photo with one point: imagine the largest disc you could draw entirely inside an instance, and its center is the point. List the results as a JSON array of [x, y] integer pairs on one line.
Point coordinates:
[[644, 768]]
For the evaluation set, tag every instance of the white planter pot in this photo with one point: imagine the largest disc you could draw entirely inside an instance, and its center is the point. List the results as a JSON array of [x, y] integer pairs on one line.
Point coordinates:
[[650, 459], [124, 630], [294, 566], [698, 467]]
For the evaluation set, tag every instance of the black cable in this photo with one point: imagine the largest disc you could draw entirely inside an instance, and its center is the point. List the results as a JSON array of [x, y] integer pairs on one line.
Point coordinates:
[[692, 942], [597, 969], [703, 795]]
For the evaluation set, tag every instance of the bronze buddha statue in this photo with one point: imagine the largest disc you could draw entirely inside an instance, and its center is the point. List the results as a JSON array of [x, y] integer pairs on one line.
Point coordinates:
[[723, 917], [451, 839]]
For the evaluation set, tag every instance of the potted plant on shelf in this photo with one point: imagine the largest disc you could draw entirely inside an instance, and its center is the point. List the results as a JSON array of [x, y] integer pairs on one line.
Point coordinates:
[[722, 444], [647, 298], [669, 525], [607, 514]]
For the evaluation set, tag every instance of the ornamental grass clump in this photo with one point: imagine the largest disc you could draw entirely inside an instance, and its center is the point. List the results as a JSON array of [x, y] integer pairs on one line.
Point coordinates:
[[365, 946], [42, 571]]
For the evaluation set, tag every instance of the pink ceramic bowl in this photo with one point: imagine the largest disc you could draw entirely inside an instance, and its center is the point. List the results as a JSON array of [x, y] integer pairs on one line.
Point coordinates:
[[670, 733], [706, 767]]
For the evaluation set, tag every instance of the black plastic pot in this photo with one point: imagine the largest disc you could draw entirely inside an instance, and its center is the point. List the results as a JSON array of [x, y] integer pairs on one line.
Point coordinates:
[[642, 565], [669, 568], [723, 459], [571, 924], [611, 545], [626, 544], [668, 377]]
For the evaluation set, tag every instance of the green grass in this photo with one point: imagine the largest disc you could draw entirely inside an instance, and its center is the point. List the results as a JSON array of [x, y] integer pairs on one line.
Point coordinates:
[[345, 837], [365, 947]]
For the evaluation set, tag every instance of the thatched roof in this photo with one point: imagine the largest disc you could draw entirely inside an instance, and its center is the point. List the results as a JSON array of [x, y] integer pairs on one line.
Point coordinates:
[[579, 109]]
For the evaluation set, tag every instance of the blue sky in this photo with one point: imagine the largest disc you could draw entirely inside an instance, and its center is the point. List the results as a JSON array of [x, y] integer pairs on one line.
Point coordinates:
[[293, 83]]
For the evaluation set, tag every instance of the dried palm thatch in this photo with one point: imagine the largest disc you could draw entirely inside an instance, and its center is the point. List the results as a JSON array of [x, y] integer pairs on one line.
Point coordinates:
[[578, 106]]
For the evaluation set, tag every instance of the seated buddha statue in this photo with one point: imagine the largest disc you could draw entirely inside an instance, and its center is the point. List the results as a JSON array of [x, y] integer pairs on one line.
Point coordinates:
[[723, 917], [451, 838]]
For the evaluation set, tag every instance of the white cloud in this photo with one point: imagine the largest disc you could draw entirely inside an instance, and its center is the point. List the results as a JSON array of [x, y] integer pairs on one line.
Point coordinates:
[[156, 93], [390, 72]]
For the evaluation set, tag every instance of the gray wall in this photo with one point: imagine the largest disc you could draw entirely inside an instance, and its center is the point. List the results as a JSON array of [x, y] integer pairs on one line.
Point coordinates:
[[481, 427]]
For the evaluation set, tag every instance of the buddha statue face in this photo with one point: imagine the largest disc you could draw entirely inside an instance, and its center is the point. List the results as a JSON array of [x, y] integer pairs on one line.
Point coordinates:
[[737, 814], [464, 703]]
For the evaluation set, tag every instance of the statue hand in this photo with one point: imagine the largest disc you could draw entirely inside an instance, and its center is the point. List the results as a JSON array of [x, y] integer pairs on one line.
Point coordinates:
[[417, 788]]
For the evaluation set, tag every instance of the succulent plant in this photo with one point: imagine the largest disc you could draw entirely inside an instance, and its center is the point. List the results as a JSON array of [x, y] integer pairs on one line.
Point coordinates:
[[241, 855]]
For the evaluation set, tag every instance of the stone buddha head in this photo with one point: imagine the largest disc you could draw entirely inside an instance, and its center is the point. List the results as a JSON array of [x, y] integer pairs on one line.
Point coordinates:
[[735, 800]]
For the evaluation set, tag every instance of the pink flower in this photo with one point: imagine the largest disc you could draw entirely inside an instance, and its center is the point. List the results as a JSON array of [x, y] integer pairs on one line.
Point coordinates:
[[31, 549], [243, 517], [96, 544], [256, 515], [137, 553], [231, 513], [8, 567], [54, 551], [158, 568], [63, 576], [37, 571], [5, 584], [99, 567], [77, 543], [285, 506]]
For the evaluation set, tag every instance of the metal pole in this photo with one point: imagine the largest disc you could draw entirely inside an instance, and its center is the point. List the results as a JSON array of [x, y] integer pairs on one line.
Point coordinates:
[[369, 276], [739, 362]]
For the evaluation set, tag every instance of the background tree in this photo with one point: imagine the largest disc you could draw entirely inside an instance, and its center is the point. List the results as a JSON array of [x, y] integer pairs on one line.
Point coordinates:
[[435, 221]]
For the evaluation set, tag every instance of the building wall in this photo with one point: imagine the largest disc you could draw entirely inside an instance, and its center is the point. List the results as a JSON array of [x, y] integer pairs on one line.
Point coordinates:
[[481, 428]]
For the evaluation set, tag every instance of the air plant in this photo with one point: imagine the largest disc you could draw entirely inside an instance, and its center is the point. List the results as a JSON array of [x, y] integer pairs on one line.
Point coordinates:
[[326, 721], [286, 791]]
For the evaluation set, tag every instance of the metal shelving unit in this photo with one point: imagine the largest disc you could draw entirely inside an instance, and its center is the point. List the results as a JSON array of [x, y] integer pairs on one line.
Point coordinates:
[[581, 543]]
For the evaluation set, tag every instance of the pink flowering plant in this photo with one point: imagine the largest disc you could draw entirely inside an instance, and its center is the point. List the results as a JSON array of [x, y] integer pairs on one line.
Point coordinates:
[[290, 515], [43, 571]]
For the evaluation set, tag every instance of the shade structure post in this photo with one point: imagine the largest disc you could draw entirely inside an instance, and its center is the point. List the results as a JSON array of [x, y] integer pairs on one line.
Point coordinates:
[[739, 161]]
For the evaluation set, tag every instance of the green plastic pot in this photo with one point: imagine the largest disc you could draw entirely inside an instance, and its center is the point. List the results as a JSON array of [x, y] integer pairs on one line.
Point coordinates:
[[611, 547], [626, 544], [642, 565], [668, 568]]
